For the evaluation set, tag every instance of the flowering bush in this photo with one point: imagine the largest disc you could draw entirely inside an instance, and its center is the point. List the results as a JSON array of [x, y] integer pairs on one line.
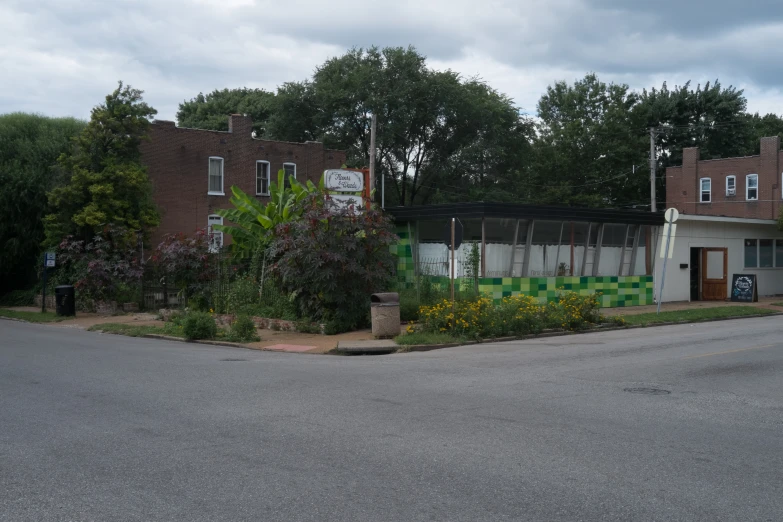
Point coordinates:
[[184, 261], [572, 311], [514, 315], [99, 269]]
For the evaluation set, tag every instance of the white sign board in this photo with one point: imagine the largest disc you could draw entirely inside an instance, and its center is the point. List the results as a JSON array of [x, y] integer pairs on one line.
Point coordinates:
[[671, 239], [344, 202], [49, 259], [340, 180], [671, 215]]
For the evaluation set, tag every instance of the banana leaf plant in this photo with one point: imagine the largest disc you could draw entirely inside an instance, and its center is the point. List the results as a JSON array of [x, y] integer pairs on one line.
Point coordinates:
[[253, 222]]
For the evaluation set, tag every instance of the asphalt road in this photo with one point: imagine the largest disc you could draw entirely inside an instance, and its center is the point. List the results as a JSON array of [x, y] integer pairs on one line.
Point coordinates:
[[101, 427]]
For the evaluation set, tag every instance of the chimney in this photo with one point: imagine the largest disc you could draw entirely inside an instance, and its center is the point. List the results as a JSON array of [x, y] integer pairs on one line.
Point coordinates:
[[240, 124], [690, 177]]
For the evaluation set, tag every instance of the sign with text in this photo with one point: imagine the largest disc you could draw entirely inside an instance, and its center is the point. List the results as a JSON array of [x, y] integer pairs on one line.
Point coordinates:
[[339, 180], [743, 288], [49, 260], [345, 202]]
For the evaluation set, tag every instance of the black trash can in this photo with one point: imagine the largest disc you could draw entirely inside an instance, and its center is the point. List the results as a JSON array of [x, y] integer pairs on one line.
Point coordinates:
[[65, 299]]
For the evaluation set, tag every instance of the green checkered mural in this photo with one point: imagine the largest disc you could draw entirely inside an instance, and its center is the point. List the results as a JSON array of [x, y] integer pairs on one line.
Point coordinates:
[[615, 290], [406, 273]]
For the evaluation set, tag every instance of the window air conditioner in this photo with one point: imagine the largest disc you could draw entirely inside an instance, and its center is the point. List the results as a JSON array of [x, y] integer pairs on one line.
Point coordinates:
[[731, 192]]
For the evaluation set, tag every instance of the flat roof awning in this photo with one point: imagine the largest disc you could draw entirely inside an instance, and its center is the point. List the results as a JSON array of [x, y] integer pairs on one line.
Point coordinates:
[[514, 211]]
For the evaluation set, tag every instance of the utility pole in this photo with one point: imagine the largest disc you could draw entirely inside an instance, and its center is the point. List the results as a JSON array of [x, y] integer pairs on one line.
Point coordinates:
[[652, 169], [372, 152]]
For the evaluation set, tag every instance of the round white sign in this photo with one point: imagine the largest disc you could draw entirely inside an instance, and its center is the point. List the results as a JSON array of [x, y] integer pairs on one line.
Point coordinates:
[[671, 215]]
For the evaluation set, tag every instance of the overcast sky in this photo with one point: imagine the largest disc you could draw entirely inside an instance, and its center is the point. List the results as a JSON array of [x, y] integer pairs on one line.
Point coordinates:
[[61, 57]]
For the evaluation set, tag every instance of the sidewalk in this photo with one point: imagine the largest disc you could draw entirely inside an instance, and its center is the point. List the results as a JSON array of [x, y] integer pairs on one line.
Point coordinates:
[[764, 302], [276, 340]]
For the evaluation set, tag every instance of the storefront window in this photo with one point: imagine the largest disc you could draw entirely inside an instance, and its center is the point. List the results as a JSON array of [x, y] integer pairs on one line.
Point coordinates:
[[765, 253], [751, 253]]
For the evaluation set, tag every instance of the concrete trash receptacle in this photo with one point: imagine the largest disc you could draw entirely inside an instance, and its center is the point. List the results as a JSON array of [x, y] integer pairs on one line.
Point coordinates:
[[385, 314]]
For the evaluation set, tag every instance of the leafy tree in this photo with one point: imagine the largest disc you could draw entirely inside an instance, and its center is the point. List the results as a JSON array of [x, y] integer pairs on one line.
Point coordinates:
[[105, 181], [332, 260], [254, 222], [432, 126], [29, 147], [587, 145], [211, 111], [762, 127]]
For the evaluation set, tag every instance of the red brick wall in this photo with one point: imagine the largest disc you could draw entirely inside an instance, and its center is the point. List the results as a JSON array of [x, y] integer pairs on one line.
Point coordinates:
[[177, 163], [683, 183]]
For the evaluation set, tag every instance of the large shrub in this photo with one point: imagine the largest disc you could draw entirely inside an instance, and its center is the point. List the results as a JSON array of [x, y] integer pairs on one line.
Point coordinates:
[[183, 262], [332, 260], [103, 269], [199, 325], [243, 330]]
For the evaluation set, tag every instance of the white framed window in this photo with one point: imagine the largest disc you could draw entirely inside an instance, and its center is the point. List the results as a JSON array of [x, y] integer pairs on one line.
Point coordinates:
[[215, 237], [215, 176], [706, 190], [262, 178], [731, 185], [752, 187], [290, 170]]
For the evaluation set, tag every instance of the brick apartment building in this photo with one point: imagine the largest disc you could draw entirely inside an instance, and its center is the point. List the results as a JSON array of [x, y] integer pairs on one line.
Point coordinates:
[[728, 224], [192, 170], [748, 187]]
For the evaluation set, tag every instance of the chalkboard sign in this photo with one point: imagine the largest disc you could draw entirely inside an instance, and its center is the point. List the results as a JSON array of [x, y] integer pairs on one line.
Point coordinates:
[[743, 288]]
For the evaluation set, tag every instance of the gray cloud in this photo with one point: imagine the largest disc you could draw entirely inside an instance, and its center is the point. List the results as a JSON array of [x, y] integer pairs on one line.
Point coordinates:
[[62, 56]]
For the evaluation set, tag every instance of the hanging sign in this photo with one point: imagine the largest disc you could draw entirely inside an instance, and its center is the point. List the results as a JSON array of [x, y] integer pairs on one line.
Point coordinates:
[[339, 180], [344, 202]]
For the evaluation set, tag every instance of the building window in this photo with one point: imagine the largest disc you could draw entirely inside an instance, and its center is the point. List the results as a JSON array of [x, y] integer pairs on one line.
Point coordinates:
[[290, 171], [706, 190], [752, 187], [751, 253], [262, 178], [215, 236], [764, 253], [215, 176], [731, 185]]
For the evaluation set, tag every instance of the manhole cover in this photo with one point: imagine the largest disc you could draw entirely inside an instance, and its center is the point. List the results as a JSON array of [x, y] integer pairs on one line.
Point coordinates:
[[233, 360], [648, 391]]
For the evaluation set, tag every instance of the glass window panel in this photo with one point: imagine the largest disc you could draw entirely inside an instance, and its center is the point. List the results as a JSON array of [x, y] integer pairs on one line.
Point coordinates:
[[546, 232], [751, 254], [614, 235], [262, 178], [779, 253], [215, 175], [765, 253], [502, 230], [714, 264]]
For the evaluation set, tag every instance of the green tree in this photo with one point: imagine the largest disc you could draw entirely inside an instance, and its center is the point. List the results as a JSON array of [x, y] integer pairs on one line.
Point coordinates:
[[587, 146], [29, 147], [105, 181], [762, 127], [439, 137], [211, 111]]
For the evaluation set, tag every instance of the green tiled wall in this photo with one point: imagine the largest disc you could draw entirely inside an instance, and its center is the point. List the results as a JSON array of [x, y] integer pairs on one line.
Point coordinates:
[[616, 291]]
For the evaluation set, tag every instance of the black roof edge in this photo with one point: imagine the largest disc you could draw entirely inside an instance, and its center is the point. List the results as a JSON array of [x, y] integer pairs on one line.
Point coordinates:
[[515, 211]]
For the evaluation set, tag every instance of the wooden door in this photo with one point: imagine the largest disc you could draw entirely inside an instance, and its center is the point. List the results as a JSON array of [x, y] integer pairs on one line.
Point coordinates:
[[714, 276]]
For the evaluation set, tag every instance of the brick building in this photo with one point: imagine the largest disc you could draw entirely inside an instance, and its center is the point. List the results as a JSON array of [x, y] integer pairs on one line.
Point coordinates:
[[748, 187], [727, 226], [192, 170]]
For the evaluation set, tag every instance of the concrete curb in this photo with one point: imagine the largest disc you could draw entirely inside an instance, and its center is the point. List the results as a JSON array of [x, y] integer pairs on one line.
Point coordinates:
[[429, 347]]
